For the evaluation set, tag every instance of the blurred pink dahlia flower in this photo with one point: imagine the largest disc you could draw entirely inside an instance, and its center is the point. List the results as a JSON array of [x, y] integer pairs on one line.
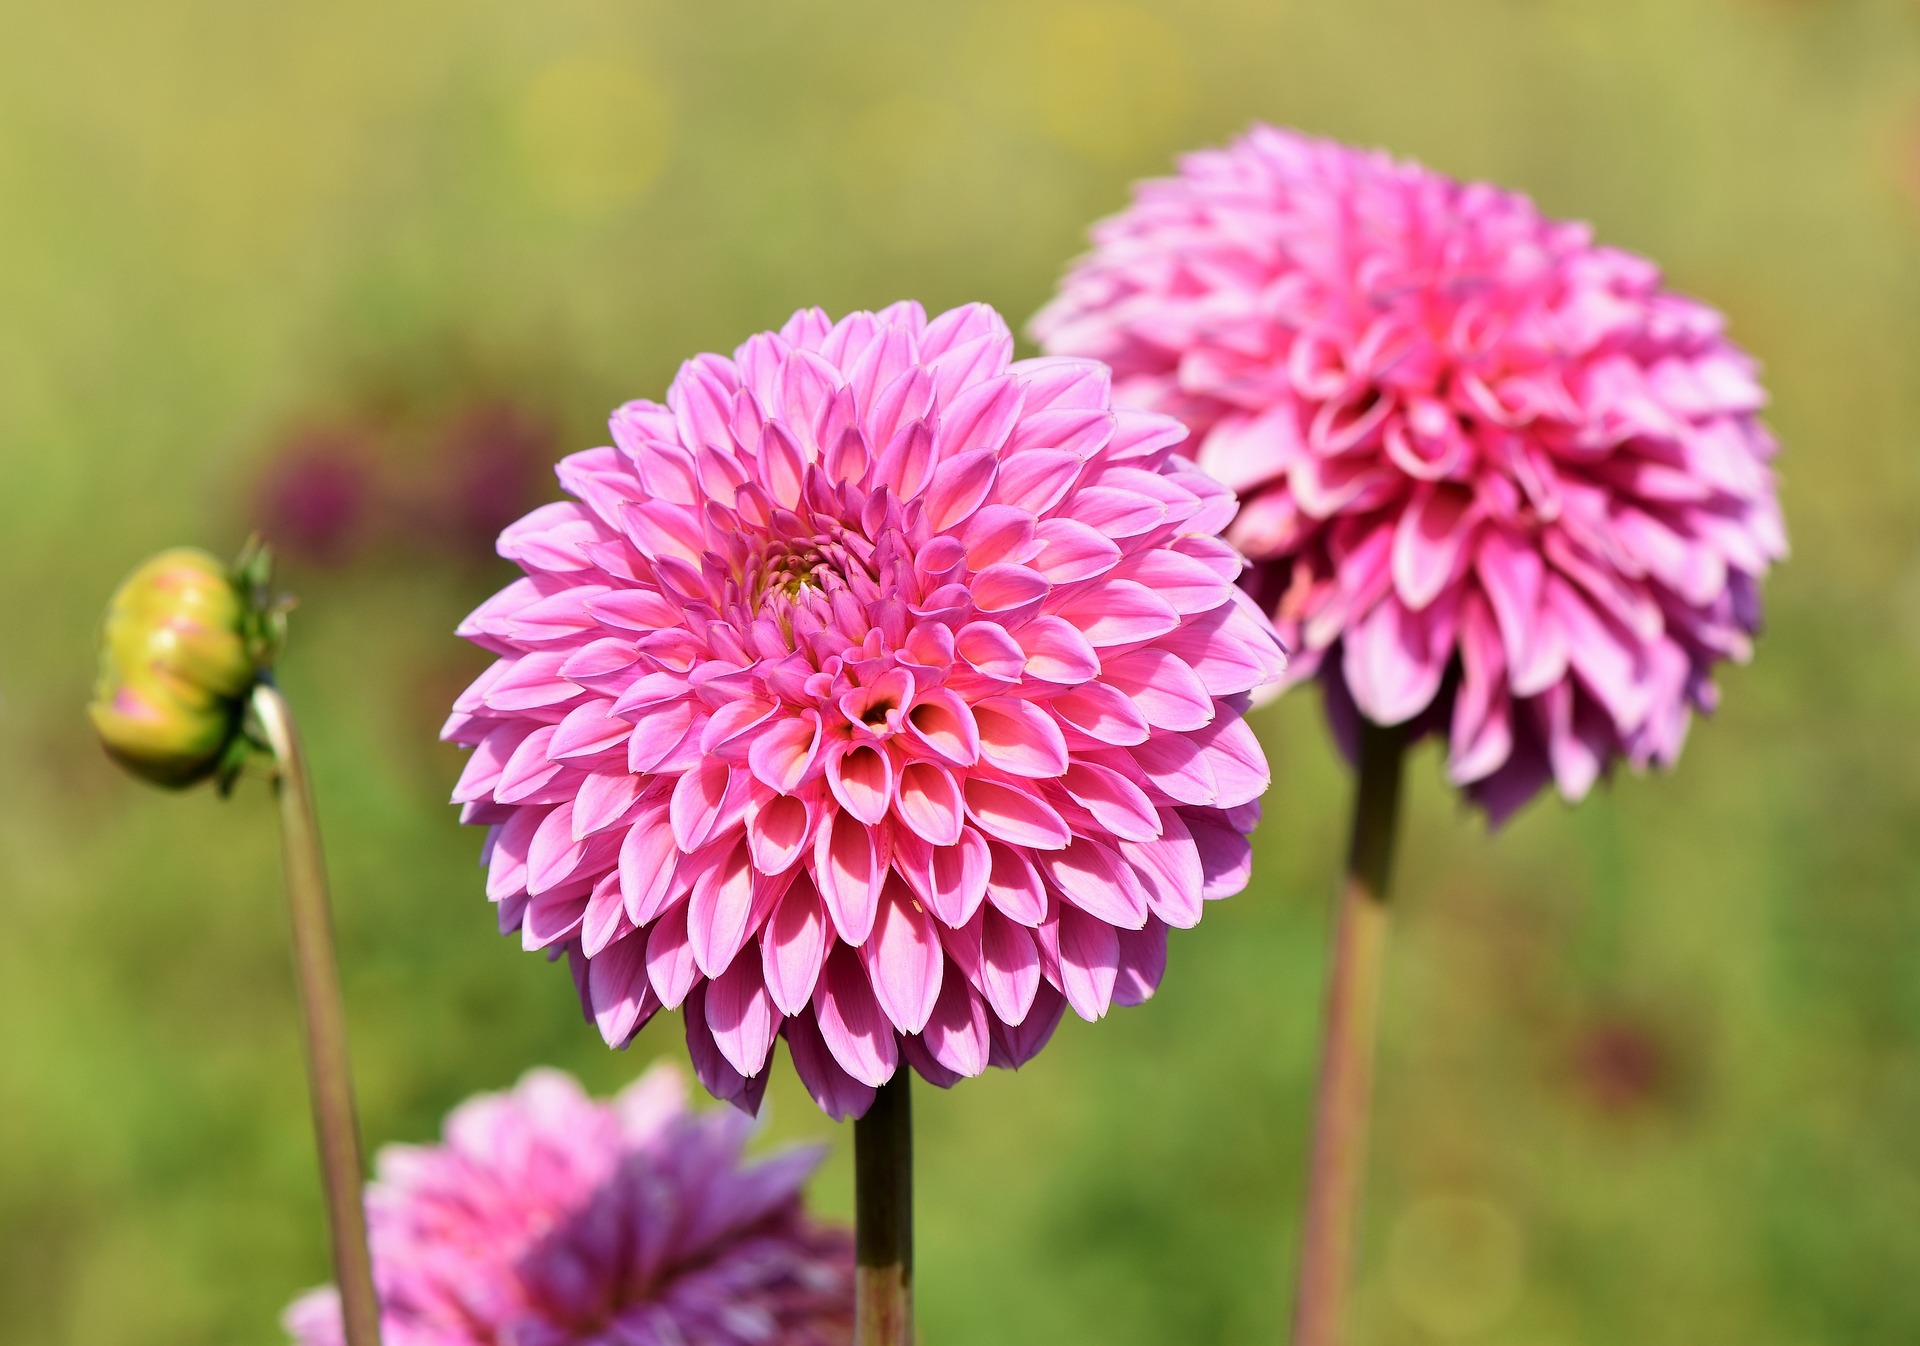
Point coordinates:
[[1499, 482], [878, 692], [547, 1219]]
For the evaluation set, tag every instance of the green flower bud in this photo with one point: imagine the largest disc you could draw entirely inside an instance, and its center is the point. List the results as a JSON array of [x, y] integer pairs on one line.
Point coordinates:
[[177, 660]]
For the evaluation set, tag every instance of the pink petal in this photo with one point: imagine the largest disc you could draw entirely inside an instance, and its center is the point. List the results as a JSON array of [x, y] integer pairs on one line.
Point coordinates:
[[839, 1094], [861, 778], [794, 947], [1118, 612], [1004, 588], [1104, 714], [943, 723], [950, 880], [1093, 878], [741, 1016], [649, 862], [711, 1066], [959, 485], [956, 1034], [1170, 871], [1394, 660], [1164, 690], [697, 801], [1009, 967], [1020, 738], [778, 832], [670, 965], [927, 798], [848, 869], [903, 958], [1015, 816], [1143, 961], [1057, 652], [720, 908], [1183, 583], [1071, 550], [1115, 802], [990, 650], [1432, 536], [1013, 885], [851, 1022], [617, 986], [1016, 1044], [1089, 963], [782, 754]]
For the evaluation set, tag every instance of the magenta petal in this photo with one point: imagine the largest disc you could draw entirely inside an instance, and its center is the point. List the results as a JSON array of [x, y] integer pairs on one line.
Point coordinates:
[[1013, 885], [848, 870], [903, 958], [720, 908], [851, 1021], [1089, 962], [1009, 967], [670, 965], [927, 798], [1093, 878], [1021, 738], [794, 947], [1143, 961], [1014, 816], [740, 1014], [1170, 871], [1392, 664], [621, 996], [839, 1094], [1432, 535], [956, 1034], [711, 1065], [1016, 1044]]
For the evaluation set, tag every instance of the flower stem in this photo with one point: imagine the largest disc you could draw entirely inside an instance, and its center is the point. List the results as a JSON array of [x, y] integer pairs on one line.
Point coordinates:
[[883, 1217], [1337, 1171], [323, 1017]]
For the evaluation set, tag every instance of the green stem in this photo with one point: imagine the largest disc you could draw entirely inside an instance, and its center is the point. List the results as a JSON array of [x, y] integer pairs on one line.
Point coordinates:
[[323, 1018], [1337, 1172], [883, 1217]]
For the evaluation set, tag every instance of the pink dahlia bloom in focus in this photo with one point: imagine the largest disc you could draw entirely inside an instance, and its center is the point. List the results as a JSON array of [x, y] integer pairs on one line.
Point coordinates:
[[878, 692], [547, 1219], [1498, 481]]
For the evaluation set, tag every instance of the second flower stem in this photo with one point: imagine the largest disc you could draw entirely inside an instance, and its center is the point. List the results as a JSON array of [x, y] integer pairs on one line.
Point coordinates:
[[323, 1017], [883, 1217], [1337, 1172]]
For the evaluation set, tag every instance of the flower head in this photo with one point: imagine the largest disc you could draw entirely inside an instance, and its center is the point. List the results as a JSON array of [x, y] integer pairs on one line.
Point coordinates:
[[1498, 480], [183, 641], [547, 1219], [876, 691]]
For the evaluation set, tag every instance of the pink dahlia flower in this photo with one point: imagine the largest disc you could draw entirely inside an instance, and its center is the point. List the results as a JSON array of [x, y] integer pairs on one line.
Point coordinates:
[[1498, 480], [877, 691], [547, 1219]]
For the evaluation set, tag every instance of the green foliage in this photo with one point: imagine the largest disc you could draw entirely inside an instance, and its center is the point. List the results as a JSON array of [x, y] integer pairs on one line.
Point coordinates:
[[1652, 1067]]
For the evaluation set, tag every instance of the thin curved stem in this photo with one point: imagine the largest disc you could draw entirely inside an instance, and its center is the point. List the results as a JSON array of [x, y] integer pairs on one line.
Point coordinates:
[[1337, 1172], [323, 1018], [883, 1217]]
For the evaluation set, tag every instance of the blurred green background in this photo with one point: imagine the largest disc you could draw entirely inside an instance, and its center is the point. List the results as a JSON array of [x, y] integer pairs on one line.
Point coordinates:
[[360, 271]]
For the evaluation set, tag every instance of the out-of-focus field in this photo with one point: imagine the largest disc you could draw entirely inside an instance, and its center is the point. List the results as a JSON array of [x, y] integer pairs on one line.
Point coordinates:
[[1652, 1067]]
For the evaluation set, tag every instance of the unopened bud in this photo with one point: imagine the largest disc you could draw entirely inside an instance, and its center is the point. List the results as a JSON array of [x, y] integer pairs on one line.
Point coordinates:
[[176, 665]]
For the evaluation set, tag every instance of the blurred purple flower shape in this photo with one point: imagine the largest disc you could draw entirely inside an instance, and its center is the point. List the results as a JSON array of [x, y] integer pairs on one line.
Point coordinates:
[[548, 1219]]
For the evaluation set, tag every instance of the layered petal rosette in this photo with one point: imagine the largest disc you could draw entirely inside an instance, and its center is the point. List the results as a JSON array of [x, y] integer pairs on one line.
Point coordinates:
[[548, 1219], [1498, 481], [878, 692]]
